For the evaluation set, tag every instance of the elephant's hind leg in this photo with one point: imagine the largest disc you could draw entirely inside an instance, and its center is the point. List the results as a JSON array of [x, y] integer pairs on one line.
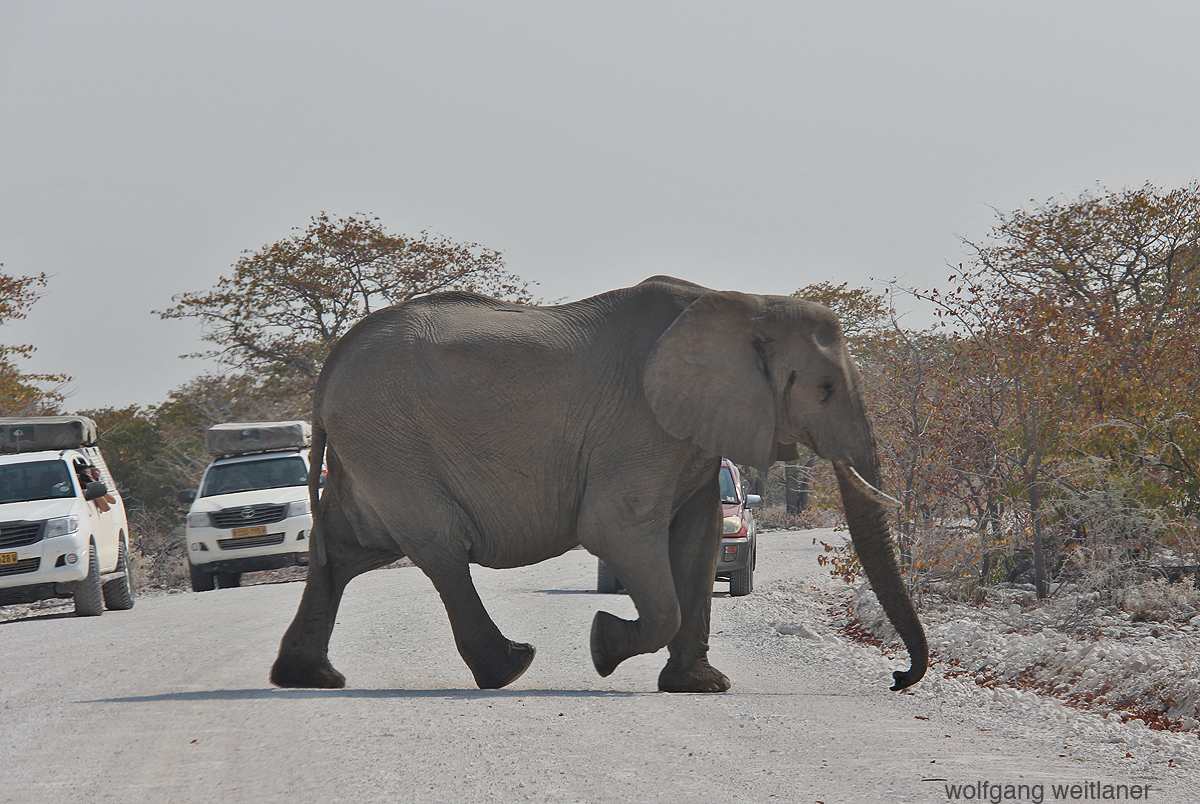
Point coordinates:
[[303, 659], [494, 660]]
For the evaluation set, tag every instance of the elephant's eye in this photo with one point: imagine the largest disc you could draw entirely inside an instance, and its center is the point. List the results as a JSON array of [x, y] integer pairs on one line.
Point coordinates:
[[826, 388]]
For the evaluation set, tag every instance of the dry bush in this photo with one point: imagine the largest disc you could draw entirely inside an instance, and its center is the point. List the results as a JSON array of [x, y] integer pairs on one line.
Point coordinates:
[[1159, 600], [775, 516], [159, 557], [942, 558]]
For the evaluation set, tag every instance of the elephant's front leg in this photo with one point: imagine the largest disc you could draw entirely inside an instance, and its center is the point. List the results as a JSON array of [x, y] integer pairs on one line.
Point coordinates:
[[642, 563], [494, 660], [695, 542]]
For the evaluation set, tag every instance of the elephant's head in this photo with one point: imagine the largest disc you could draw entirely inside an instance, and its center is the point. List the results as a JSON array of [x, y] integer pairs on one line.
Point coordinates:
[[749, 378]]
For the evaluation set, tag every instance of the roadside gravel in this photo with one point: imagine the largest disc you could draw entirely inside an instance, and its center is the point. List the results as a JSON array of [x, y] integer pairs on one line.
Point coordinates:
[[1101, 686]]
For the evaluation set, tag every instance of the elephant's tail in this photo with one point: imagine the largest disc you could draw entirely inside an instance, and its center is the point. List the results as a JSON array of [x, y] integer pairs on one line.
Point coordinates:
[[316, 470]]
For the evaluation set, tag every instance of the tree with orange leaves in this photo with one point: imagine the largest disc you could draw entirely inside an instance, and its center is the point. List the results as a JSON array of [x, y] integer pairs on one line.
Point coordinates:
[[23, 393], [285, 305]]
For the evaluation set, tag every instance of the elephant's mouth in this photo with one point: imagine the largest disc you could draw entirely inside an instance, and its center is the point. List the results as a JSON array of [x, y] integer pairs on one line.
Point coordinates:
[[805, 438]]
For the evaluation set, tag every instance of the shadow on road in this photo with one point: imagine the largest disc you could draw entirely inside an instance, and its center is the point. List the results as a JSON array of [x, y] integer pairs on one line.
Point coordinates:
[[598, 594], [268, 693]]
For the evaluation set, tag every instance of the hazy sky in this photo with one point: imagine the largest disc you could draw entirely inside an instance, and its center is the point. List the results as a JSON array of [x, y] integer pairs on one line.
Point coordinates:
[[757, 146]]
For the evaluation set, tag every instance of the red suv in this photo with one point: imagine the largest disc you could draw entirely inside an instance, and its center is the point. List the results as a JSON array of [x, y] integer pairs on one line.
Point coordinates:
[[738, 533]]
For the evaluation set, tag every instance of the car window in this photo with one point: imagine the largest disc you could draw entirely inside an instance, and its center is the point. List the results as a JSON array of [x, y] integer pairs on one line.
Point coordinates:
[[41, 480], [272, 473], [728, 488]]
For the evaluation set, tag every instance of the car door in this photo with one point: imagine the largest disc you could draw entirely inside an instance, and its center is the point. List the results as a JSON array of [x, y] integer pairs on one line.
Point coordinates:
[[105, 525]]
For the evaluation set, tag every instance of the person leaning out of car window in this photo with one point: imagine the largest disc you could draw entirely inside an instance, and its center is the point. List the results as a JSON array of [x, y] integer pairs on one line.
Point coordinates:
[[88, 473]]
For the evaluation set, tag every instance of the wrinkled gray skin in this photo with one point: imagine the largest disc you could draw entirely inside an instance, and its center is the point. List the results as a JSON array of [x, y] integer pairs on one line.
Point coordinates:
[[460, 429]]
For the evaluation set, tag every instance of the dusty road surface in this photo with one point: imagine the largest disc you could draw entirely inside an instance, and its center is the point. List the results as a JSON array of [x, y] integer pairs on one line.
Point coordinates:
[[169, 703]]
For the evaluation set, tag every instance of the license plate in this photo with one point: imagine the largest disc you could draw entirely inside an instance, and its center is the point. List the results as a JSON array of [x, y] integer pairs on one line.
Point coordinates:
[[8, 558], [241, 533]]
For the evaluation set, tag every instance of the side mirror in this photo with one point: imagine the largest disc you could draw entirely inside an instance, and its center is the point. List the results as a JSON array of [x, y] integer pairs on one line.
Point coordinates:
[[95, 490], [186, 496], [753, 501]]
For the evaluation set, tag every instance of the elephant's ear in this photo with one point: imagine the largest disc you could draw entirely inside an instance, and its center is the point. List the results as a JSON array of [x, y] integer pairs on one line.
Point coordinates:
[[707, 379]]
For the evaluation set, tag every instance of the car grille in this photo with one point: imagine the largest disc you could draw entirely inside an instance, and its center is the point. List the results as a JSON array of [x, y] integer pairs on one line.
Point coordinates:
[[21, 567], [250, 541], [19, 534], [259, 515]]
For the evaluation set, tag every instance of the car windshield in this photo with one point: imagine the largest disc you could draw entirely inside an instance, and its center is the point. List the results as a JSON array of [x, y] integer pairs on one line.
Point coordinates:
[[272, 473], [728, 487], [41, 480]]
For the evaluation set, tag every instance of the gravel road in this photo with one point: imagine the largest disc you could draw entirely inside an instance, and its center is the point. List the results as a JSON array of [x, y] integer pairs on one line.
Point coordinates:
[[169, 703]]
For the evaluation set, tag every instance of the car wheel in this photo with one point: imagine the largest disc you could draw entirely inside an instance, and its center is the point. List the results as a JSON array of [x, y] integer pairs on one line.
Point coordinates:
[[228, 580], [201, 581], [741, 582], [89, 597], [607, 581], [118, 593]]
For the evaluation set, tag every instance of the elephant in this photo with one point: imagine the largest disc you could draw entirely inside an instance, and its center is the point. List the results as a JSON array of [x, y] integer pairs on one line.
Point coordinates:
[[602, 423]]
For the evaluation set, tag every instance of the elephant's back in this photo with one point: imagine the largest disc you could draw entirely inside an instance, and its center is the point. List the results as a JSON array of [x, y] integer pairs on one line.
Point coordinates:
[[445, 406], [462, 374], [446, 340]]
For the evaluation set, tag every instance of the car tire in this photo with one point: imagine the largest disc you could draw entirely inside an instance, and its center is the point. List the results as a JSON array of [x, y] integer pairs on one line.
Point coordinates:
[[741, 582], [607, 582], [118, 593], [89, 595], [228, 580], [201, 581]]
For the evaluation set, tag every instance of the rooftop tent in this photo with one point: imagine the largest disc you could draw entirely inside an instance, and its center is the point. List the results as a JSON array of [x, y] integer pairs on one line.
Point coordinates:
[[37, 433], [240, 438]]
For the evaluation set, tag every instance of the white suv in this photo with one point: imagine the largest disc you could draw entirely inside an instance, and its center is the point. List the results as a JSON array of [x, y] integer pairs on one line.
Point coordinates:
[[251, 512], [63, 530]]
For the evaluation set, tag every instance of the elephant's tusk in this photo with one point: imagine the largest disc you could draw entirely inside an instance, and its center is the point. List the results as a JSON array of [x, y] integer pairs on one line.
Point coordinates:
[[866, 488]]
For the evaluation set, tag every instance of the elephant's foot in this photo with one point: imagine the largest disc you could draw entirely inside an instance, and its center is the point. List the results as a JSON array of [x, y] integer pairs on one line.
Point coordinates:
[[503, 666], [290, 673], [611, 637], [699, 676]]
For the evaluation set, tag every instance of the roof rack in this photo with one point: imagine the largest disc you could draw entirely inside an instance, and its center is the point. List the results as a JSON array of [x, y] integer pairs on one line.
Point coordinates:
[[39, 433]]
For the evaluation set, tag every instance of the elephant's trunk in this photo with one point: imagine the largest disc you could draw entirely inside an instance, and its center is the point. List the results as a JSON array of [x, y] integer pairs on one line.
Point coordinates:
[[868, 521]]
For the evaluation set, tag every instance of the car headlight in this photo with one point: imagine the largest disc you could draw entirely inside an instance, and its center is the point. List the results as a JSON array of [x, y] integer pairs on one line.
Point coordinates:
[[298, 508], [199, 521], [61, 526], [732, 525]]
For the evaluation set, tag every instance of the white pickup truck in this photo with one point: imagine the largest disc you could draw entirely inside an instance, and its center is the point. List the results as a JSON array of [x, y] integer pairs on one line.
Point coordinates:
[[63, 530], [251, 511]]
